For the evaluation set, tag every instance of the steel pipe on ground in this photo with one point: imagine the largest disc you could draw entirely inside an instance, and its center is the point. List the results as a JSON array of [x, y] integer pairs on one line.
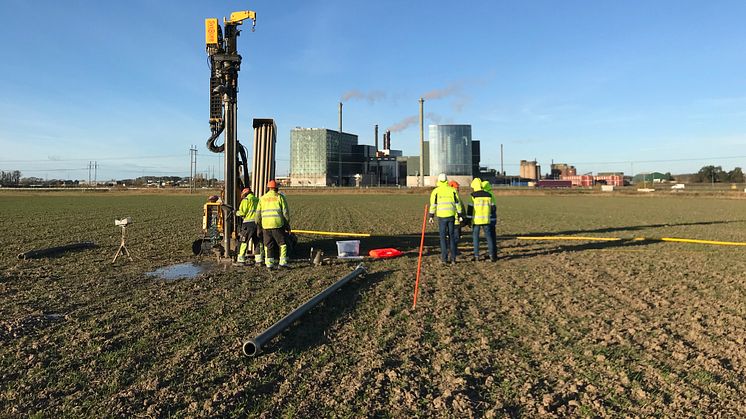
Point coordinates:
[[253, 347]]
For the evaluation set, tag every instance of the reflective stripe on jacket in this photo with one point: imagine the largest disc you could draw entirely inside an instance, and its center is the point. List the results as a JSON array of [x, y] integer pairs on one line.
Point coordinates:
[[272, 211], [247, 208], [487, 187], [482, 202], [444, 201]]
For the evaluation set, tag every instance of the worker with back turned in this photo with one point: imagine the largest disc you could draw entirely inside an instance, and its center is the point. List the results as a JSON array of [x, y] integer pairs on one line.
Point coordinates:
[[249, 231], [487, 187], [455, 185], [272, 216], [481, 200], [446, 205]]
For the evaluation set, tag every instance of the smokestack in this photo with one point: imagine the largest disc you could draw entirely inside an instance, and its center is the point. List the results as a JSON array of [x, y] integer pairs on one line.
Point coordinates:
[[376, 136], [339, 183], [502, 171], [422, 143]]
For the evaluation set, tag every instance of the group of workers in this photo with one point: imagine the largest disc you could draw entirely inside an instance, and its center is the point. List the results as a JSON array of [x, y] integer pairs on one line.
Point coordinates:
[[447, 207], [266, 223]]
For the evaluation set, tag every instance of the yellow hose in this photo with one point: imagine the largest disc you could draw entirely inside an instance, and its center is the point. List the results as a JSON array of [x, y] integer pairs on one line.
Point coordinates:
[[609, 239], [331, 233], [672, 239], [599, 239]]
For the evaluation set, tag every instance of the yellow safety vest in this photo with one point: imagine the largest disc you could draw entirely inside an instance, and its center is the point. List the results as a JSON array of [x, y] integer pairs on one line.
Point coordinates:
[[444, 201], [272, 210], [247, 208], [482, 208]]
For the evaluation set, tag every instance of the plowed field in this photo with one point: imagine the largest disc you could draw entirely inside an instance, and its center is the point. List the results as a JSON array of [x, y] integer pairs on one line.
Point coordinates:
[[561, 327]]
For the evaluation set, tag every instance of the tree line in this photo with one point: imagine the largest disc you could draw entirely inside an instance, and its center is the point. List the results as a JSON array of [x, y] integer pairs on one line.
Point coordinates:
[[715, 174], [10, 178]]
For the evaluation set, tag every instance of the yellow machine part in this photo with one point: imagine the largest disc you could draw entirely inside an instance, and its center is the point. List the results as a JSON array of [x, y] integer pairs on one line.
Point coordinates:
[[211, 31], [212, 211], [238, 17]]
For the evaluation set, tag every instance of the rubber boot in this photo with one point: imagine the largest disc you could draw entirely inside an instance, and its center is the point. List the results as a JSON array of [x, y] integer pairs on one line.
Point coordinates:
[[284, 256], [241, 253], [259, 255]]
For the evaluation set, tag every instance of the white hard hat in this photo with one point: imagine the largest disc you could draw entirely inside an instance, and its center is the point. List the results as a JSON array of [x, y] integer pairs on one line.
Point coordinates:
[[442, 177]]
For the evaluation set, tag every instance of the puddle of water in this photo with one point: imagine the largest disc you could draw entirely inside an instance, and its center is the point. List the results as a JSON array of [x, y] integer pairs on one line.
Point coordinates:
[[183, 270]]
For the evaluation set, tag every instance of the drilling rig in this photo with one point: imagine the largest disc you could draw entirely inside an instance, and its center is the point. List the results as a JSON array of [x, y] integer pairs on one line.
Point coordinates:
[[225, 63]]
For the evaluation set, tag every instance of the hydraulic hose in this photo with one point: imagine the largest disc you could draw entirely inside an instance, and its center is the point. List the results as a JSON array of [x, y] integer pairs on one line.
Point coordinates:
[[211, 141], [243, 161]]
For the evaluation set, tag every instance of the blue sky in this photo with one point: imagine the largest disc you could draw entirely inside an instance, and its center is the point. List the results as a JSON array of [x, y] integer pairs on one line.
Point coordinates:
[[627, 86]]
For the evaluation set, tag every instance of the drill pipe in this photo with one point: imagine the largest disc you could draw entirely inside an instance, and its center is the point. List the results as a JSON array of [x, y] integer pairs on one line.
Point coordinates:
[[253, 347]]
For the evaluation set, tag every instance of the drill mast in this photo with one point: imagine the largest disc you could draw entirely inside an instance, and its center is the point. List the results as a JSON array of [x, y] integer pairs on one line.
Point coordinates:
[[225, 63]]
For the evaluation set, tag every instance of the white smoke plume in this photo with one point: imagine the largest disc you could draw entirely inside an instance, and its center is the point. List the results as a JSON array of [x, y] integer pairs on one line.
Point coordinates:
[[372, 97], [404, 123], [414, 119], [454, 90]]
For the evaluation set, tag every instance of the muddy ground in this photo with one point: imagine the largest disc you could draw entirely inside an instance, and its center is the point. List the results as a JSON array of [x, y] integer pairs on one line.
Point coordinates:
[[557, 328]]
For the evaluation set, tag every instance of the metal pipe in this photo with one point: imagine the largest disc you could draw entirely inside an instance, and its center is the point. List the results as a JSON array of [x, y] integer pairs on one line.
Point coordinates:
[[253, 347], [422, 143], [229, 192]]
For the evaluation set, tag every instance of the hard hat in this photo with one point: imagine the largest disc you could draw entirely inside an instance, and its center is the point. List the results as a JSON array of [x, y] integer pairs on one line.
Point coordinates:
[[453, 184], [271, 184], [245, 191], [442, 177]]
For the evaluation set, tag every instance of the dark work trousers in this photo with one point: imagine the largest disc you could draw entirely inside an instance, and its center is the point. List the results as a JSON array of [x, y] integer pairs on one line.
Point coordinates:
[[250, 232], [273, 239], [448, 239], [487, 235], [491, 230]]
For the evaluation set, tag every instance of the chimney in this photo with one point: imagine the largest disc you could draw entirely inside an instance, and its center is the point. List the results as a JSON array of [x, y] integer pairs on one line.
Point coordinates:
[[376, 136]]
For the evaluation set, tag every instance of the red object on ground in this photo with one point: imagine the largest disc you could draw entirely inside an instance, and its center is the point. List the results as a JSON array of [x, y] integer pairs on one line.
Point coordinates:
[[419, 259], [385, 253]]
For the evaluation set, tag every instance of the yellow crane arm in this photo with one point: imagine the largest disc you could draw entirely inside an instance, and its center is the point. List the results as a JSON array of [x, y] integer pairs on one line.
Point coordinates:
[[238, 17]]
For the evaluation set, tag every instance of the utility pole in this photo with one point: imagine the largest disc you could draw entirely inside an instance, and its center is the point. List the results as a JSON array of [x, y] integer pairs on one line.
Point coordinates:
[[90, 164], [422, 143], [340, 145], [192, 167], [502, 170], [378, 171], [95, 172]]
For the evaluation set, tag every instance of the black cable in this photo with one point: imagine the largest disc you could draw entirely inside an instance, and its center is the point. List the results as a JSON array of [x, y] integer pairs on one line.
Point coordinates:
[[211, 141]]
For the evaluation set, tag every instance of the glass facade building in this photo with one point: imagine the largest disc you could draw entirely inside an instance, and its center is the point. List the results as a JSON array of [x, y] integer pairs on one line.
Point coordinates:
[[450, 150], [315, 154]]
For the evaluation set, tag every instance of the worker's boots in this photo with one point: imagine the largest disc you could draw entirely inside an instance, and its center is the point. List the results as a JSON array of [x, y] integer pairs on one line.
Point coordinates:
[[284, 256]]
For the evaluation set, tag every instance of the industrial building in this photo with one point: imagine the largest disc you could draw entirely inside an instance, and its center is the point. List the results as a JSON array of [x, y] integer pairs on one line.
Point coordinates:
[[315, 156], [530, 170], [315, 160], [562, 169], [450, 150]]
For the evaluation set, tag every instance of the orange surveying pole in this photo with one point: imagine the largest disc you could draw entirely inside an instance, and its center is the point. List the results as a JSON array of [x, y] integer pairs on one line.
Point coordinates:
[[419, 260]]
